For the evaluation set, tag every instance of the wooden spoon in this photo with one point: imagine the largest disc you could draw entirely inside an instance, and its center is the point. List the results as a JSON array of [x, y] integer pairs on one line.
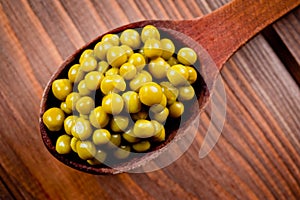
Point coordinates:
[[218, 35]]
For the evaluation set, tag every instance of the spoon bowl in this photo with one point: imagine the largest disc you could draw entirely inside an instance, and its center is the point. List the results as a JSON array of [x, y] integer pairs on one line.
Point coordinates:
[[214, 37]]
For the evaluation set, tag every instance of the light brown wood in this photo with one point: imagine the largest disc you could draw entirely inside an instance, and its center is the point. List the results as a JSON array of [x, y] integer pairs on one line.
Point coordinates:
[[256, 157]]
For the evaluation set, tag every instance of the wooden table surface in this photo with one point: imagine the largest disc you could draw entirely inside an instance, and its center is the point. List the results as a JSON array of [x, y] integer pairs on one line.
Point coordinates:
[[256, 157]]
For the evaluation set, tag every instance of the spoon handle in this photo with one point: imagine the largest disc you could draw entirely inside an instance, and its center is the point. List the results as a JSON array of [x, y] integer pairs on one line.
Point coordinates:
[[231, 26]]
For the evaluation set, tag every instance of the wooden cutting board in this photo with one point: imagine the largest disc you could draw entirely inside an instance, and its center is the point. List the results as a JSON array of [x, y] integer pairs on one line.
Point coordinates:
[[256, 157]]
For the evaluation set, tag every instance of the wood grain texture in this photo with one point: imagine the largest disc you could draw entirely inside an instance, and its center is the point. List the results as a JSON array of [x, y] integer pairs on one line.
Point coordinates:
[[256, 157]]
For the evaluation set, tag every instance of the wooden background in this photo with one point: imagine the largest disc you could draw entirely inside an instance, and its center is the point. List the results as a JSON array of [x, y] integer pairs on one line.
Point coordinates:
[[256, 157]]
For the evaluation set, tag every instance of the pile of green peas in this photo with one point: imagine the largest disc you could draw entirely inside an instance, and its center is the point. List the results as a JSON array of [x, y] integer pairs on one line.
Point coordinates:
[[119, 95]]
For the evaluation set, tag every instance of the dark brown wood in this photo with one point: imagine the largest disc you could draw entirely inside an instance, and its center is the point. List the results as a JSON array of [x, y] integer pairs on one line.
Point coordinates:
[[256, 157]]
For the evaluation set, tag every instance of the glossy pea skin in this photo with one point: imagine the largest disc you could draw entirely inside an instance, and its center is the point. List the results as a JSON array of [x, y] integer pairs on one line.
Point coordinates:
[[138, 60], [88, 64], [170, 91], [82, 88], [86, 150], [53, 118], [93, 80], [127, 49], [85, 54], [129, 136], [98, 117], [112, 38], [112, 83], [99, 158], [160, 133], [101, 136], [152, 48], [178, 75], [172, 61], [71, 100], [115, 141], [102, 67], [168, 48], [192, 74], [141, 146], [176, 109], [139, 115], [75, 74], [85, 104], [143, 129], [63, 144], [101, 48], [63, 107], [150, 32], [131, 38], [73, 143], [132, 101], [128, 71], [112, 71], [158, 68], [139, 80], [122, 152], [116, 56], [187, 56], [69, 123], [81, 129], [150, 94], [112, 103], [161, 116], [61, 88], [186, 93], [119, 123]]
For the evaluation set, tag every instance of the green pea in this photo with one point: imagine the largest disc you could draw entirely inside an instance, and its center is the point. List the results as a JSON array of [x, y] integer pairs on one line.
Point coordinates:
[[116, 56], [63, 144], [53, 118], [176, 109], [150, 32], [168, 48], [112, 38], [112, 103], [93, 80], [63, 107], [86, 54], [82, 88], [86, 150], [131, 38], [143, 129], [75, 74], [103, 66], [138, 60], [152, 48], [61, 88], [158, 68], [88, 64], [98, 117], [119, 123], [115, 141], [141, 146], [132, 101], [187, 56], [101, 136], [186, 93], [85, 104], [101, 48], [122, 152], [81, 129], [69, 123]]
